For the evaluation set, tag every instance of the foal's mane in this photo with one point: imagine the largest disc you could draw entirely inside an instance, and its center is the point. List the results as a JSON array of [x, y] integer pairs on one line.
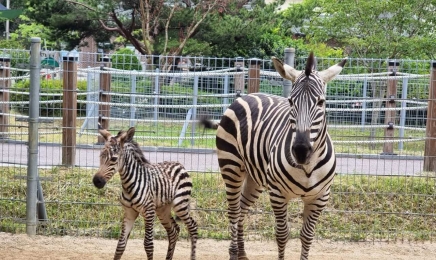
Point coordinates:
[[136, 150]]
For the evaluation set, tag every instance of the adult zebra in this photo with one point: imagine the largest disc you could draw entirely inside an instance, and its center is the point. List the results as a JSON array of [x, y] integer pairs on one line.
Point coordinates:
[[146, 189], [280, 144]]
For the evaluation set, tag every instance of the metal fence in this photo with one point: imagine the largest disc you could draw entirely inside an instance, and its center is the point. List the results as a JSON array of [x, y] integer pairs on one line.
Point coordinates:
[[377, 112]]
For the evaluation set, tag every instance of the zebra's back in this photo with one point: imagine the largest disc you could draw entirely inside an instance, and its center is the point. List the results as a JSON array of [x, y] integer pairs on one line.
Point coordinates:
[[163, 183]]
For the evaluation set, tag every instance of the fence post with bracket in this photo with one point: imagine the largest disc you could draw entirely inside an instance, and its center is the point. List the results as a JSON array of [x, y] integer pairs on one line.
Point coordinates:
[[430, 134], [390, 115], [105, 97], [5, 83], [254, 75], [69, 111]]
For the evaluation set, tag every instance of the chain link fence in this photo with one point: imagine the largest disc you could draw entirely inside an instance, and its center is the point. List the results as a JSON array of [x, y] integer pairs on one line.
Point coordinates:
[[376, 109]]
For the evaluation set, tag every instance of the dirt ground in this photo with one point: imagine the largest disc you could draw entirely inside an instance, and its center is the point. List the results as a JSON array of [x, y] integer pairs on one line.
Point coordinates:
[[20, 247]]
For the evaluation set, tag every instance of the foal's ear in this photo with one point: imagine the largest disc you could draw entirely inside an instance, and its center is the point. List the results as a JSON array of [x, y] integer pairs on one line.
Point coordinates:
[[105, 133], [127, 136], [130, 134]]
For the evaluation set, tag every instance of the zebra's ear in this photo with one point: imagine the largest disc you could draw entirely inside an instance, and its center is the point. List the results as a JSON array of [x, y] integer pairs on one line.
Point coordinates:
[[285, 70], [130, 133], [105, 133], [330, 73]]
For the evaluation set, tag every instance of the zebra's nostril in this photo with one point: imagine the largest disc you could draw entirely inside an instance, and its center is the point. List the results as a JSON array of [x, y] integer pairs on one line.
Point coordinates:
[[301, 153], [98, 181]]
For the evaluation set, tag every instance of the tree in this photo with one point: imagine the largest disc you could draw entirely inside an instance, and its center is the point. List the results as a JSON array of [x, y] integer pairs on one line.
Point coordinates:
[[68, 24], [138, 22], [373, 28], [245, 33]]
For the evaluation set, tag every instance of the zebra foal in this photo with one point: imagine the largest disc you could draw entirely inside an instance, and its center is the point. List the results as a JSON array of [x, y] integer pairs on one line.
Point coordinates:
[[147, 189], [281, 145]]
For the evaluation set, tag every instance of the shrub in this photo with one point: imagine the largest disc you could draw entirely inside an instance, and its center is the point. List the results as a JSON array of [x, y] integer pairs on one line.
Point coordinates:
[[47, 87], [125, 59]]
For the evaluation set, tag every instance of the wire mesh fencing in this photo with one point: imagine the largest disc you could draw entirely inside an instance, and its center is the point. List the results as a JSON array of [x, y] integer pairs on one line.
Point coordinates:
[[377, 117]]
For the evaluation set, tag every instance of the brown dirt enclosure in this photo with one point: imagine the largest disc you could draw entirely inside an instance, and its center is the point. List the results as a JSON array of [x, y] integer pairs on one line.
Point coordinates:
[[23, 247]]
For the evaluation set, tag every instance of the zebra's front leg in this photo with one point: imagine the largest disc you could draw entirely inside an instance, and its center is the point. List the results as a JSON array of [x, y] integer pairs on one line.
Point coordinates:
[[311, 213], [130, 216], [279, 205], [149, 215], [170, 225]]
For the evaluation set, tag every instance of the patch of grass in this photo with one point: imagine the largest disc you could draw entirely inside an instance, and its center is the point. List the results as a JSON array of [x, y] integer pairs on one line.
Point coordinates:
[[361, 207]]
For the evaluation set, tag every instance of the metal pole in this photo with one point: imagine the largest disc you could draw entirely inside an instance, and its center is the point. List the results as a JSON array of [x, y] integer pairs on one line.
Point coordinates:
[[194, 110], [7, 21], [365, 90], [226, 92], [156, 99], [133, 101], [90, 108], [289, 59], [403, 112], [32, 170]]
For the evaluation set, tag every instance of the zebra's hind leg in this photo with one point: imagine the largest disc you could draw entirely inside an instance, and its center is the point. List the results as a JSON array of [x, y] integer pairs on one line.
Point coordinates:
[[170, 225], [181, 209], [312, 211], [250, 193], [130, 216], [149, 215], [234, 178], [279, 205]]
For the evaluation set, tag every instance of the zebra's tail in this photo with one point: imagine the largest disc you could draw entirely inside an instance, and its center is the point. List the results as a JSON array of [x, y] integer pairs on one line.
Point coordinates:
[[207, 123]]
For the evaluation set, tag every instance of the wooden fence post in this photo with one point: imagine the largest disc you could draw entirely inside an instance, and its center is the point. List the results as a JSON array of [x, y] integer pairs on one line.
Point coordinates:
[[254, 76], [240, 78], [430, 140], [5, 84], [69, 114], [105, 88], [390, 115]]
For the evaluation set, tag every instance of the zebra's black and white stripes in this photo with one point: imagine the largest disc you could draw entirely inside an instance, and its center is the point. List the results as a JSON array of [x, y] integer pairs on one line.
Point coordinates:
[[146, 189], [282, 145]]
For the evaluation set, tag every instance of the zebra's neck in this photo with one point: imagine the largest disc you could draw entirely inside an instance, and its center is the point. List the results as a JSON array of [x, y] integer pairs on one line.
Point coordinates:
[[131, 166]]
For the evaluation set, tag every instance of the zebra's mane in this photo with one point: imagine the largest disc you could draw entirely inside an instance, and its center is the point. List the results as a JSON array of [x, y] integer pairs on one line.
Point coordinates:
[[136, 150]]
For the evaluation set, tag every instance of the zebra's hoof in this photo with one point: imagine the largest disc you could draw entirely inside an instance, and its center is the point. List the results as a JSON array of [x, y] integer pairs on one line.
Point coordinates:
[[242, 256]]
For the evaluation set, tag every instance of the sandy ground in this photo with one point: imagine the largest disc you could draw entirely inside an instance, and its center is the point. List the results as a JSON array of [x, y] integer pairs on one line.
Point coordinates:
[[79, 248]]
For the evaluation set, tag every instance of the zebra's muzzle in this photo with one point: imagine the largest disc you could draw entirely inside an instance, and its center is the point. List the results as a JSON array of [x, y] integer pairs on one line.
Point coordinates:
[[98, 181], [301, 149]]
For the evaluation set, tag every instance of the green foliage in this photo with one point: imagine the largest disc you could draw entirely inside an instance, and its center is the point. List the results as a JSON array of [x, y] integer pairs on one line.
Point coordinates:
[[68, 23], [125, 59], [382, 29], [244, 33], [11, 44], [16, 51], [47, 87], [27, 29]]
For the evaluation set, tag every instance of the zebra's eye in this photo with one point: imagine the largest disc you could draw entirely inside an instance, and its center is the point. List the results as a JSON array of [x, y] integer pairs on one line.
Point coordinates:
[[291, 103], [321, 103], [113, 159]]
